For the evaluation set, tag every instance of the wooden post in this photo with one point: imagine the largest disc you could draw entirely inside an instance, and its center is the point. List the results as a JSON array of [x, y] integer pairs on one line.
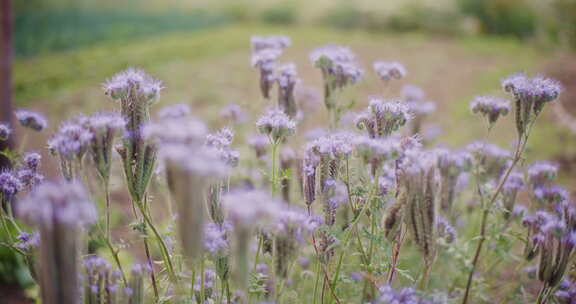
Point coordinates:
[[6, 74]]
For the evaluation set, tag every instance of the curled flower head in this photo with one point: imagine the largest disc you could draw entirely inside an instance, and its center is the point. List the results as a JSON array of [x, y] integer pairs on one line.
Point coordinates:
[[451, 165], [251, 207], [104, 128], [133, 83], [175, 111], [334, 146], [530, 94], [269, 42], [538, 89], [412, 93], [71, 140], [57, 202], [406, 295], [9, 185], [276, 125], [5, 131], [383, 117], [376, 151], [220, 142], [176, 131], [420, 108], [265, 61], [259, 143], [295, 223], [287, 79], [202, 161], [220, 139], [490, 157], [32, 120], [31, 160], [552, 194], [445, 230], [338, 66], [233, 113], [104, 124], [389, 70], [490, 107], [27, 241], [542, 172], [215, 239], [29, 178]]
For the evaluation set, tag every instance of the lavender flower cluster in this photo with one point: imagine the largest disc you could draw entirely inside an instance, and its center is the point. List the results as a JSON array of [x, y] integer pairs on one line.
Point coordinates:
[[287, 223]]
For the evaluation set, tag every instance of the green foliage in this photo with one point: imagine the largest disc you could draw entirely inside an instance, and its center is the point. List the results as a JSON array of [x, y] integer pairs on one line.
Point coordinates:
[[345, 16], [55, 30], [503, 17], [282, 14]]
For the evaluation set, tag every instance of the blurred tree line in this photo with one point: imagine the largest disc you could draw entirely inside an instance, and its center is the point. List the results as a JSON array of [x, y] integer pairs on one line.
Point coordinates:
[[52, 25]]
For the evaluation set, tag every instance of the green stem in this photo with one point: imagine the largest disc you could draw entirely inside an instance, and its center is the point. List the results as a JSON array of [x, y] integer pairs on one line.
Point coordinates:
[[274, 177], [315, 296], [486, 210], [349, 232], [163, 248], [202, 266]]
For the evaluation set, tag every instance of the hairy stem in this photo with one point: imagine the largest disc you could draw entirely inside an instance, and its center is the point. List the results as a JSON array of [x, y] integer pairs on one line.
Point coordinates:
[[486, 211]]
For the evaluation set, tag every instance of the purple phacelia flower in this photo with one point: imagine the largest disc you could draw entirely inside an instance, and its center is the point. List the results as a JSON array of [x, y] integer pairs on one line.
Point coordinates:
[[389, 295], [251, 207], [287, 80], [259, 143], [71, 140], [566, 293], [54, 203], [376, 151], [33, 120], [28, 241], [411, 93], [133, 82], [389, 70], [259, 43], [234, 113], [538, 89], [530, 94], [10, 184], [265, 61], [541, 172], [209, 280], [490, 157], [175, 111], [215, 239], [29, 178], [276, 125], [552, 194], [383, 117], [5, 131], [510, 189], [188, 131], [490, 107], [31, 160], [339, 69]]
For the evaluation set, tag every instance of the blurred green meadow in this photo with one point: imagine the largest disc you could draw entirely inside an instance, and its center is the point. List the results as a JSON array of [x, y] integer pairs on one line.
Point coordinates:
[[200, 49], [453, 49]]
